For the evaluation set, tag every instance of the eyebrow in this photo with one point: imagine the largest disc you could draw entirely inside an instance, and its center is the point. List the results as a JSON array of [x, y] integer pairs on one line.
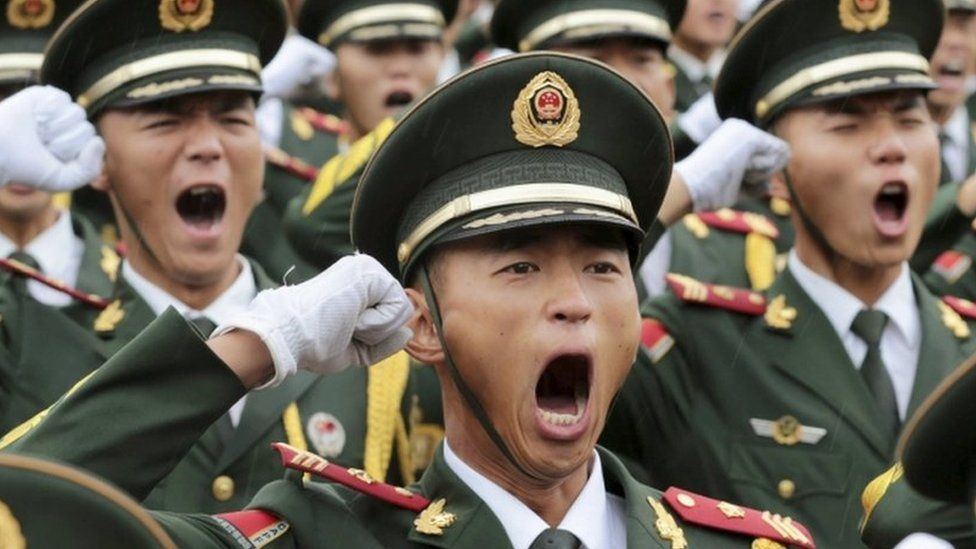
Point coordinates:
[[597, 237], [220, 104]]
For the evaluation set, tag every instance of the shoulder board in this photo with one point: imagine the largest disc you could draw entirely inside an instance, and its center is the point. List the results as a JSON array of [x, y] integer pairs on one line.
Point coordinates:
[[952, 265], [323, 122], [723, 297], [962, 306], [356, 479], [295, 166], [727, 517], [20, 269], [252, 528], [739, 222], [656, 339]]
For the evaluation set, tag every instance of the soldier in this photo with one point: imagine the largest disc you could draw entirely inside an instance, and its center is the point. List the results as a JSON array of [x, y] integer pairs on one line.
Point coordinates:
[[699, 47], [791, 400], [183, 169], [544, 215]]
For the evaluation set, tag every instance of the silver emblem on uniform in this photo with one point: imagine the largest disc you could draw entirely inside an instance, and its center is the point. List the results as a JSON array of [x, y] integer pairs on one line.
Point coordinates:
[[787, 431]]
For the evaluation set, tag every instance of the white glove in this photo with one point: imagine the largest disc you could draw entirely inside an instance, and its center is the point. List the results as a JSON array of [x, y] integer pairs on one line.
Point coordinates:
[[701, 118], [736, 152], [923, 541], [47, 141], [352, 314], [298, 62]]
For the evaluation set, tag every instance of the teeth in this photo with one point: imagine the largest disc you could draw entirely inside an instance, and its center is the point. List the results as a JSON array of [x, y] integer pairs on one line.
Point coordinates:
[[955, 65], [892, 190], [198, 191], [553, 418]]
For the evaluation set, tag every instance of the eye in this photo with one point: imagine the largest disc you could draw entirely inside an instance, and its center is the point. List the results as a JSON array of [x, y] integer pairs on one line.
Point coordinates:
[[162, 122], [522, 267], [603, 268], [235, 120]]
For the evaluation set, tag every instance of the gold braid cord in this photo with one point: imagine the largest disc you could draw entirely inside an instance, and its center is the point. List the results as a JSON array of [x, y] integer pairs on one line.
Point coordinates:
[[387, 381]]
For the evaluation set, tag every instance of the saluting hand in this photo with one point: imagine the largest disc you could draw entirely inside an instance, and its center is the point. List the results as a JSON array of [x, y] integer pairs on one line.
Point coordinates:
[[47, 141]]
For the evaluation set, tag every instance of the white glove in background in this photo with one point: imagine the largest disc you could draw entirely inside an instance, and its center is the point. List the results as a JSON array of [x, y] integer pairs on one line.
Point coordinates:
[[736, 152], [47, 141], [298, 62], [352, 314], [923, 541], [701, 119]]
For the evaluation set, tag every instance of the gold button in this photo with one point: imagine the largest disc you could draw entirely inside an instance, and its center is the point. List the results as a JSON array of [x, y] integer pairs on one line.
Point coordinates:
[[223, 488], [786, 488], [686, 500]]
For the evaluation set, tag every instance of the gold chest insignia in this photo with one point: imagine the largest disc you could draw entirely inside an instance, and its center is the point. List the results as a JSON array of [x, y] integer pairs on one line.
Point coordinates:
[[862, 15], [110, 263], [30, 14], [731, 510], [109, 318], [185, 15], [433, 520], [765, 543], [953, 321], [11, 536], [546, 112], [666, 527], [778, 315]]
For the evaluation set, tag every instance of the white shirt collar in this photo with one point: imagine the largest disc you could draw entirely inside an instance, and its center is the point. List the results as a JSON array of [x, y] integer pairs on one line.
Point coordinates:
[[596, 517], [693, 67], [234, 300], [898, 301], [957, 127], [48, 247]]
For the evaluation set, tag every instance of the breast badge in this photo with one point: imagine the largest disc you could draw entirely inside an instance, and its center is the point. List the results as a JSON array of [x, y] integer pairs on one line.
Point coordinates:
[[326, 434]]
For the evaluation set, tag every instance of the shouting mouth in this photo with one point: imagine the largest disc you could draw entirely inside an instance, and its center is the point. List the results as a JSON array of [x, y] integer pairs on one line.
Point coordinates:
[[398, 99], [202, 208], [561, 396], [890, 207]]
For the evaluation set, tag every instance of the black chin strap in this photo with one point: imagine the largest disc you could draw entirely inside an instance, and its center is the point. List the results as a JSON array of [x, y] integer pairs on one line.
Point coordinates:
[[135, 228], [808, 224], [469, 397]]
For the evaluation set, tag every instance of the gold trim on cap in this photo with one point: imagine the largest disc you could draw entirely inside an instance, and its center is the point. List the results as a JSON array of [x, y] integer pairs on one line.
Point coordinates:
[[381, 14], [513, 195], [839, 67], [183, 59], [600, 21], [21, 61]]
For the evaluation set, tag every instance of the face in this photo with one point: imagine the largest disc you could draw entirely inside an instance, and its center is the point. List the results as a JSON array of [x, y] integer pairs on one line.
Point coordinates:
[[20, 203], [375, 80], [544, 325], [865, 170], [640, 61], [952, 62], [708, 23], [188, 172]]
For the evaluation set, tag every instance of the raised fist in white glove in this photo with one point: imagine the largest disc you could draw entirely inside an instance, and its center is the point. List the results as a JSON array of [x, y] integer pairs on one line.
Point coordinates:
[[352, 314], [298, 62], [701, 119], [47, 141], [736, 152]]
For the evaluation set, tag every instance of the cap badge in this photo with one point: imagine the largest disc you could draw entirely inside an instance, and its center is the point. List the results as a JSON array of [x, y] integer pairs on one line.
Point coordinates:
[[30, 14], [326, 434], [862, 15], [185, 15], [546, 112]]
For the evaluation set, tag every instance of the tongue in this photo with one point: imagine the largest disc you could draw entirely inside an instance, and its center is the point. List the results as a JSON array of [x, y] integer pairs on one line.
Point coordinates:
[[562, 404], [886, 210]]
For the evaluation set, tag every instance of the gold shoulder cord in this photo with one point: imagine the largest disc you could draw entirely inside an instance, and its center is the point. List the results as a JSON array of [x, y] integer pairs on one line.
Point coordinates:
[[19, 431], [386, 384], [291, 419], [760, 260]]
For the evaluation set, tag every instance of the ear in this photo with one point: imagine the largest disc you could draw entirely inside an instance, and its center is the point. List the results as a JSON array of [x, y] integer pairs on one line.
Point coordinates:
[[330, 84], [777, 187], [425, 345], [101, 181]]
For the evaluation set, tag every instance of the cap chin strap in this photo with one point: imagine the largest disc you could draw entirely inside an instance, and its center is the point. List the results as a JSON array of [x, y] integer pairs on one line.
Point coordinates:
[[135, 229], [469, 397], [818, 237]]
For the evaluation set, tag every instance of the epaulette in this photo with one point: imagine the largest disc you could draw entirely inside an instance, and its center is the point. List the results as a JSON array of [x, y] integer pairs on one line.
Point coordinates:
[[295, 166], [323, 122], [775, 529], [723, 297], [252, 528], [20, 269], [952, 265], [739, 222], [962, 306], [356, 479], [656, 339]]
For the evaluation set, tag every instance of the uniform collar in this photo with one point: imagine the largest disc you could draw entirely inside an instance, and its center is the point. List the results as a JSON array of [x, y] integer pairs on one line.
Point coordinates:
[[898, 301], [57, 249], [591, 518], [693, 67], [233, 301]]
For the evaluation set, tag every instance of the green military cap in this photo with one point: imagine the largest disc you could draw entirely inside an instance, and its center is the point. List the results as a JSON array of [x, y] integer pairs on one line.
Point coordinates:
[[331, 22], [938, 445], [961, 5], [796, 52], [125, 52], [530, 139], [24, 31], [523, 26], [47, 504]]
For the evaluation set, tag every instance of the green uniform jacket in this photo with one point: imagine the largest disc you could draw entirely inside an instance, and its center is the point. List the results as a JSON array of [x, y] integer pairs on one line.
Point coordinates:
[[34, 371], [228, 466], [686, 413], [686, 91], [142, 431]]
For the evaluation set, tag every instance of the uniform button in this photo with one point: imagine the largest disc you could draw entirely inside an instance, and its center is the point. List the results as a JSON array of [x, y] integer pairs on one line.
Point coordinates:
[[786, 488], [223, 488]]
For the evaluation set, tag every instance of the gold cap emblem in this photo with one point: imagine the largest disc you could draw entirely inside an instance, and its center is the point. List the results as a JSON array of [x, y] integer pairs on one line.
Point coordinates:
[[546, 112], [862, 15], [185, 15], [30, 14]]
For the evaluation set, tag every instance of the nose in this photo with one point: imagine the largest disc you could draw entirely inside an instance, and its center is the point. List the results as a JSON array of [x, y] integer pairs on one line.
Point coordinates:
[[889, 145], [203, 140], [398, 65], [568, 301]]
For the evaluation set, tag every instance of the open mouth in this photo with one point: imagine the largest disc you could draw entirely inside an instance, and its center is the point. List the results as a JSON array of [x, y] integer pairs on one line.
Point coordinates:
[[890, 206], [399, 99], [563, 390], [202, 207], [953, 68]]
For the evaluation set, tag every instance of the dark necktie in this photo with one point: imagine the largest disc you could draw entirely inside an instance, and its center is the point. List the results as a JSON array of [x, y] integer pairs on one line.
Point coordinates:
[[19, 282], [943, 142], [704, 85], [554, 538], [220, 432], [205, 325], [869, 325]]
